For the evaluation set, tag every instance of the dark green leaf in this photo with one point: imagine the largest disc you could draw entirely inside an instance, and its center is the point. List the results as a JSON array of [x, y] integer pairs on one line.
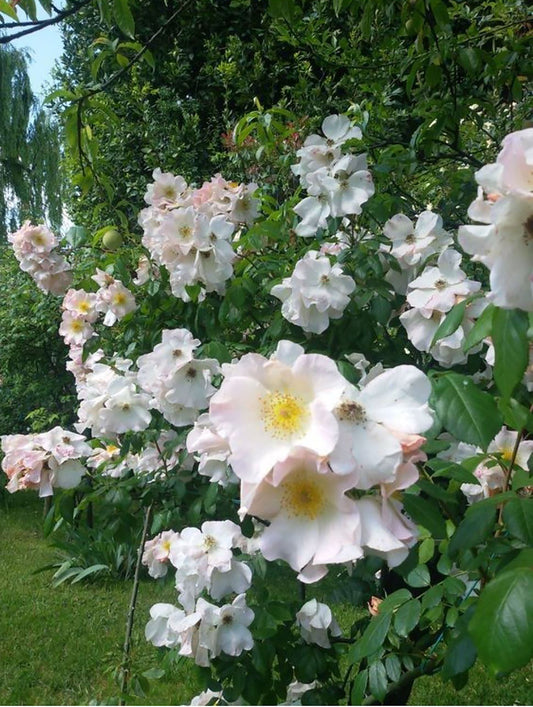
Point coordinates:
[[373, 637], [516, 415], [460, 656], [451, 321], [359, 688], [509, 335], [502, 626], [123, 17], [397, 598], [377, 680], [425, 512], [450, 470], [406, 617], [481, 329], [393, 667], [518, 518], [467, 412], [77, 236], [474, 528], [418, 577]]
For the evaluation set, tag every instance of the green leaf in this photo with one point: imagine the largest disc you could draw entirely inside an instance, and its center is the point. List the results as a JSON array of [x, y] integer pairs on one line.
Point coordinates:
[[7, 9], [359, 688], [481, 329], [153, 673], [393, 667], [460, 656], [406, 617], [440, 13], [516, 415], [93, 569], [450, 470], [470, 60], [373, 637], [470, 414], [123, 17], [509, 335], [377, 680], [425, 512], [215, 349], [77, 236], [523, 559], [418, 577], [426, 550], [502, 625], [284, 9], [473, 529], [394, 600], [451, 322], [518, 518]]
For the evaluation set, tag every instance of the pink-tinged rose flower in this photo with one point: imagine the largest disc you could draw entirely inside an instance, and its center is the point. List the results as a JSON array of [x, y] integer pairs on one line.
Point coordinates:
[[266, 408], [312, 521]]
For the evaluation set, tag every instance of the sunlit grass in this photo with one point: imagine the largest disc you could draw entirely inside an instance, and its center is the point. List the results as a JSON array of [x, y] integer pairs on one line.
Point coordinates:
[[60, 646]]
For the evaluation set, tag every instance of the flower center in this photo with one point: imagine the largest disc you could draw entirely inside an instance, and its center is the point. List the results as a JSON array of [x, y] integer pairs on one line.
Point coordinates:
[[302, 497], [507, 454], [410, 238], [283, 415], [351, 412], [84, 307], [209, 543], [119, 299], [39, 239], [528, 230], [185, 232], [440, 284], [76, 326]]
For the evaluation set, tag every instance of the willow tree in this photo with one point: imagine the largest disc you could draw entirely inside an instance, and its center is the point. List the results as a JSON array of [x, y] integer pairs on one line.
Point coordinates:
[[30, 182]]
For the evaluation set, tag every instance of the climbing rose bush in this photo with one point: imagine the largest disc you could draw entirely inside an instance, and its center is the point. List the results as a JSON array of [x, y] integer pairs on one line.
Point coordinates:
[[291, 389]]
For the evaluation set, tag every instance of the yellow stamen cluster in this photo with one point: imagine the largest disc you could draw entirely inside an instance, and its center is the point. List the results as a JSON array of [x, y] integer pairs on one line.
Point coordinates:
[[302, 497], [283, 415], [209, 543], [507, 454], [119, 298], [76, 326]]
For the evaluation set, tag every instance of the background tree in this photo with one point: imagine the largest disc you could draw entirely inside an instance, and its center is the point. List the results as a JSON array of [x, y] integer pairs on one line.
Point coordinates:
[[30, 176], [441, 82]]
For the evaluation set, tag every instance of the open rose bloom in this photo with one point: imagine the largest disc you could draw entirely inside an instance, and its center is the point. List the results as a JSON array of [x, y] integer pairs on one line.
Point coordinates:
[[301, 439], [504, 208], [44, 461]]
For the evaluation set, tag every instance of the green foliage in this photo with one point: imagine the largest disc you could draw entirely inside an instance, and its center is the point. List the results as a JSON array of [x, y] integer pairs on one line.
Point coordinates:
[[36, 391], [503, 619], [434, 86]]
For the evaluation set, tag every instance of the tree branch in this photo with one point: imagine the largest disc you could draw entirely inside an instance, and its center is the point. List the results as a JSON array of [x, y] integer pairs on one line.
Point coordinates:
[[102, 87], [39, 24]]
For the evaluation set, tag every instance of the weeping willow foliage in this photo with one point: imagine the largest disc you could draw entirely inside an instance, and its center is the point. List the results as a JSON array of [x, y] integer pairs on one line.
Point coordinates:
[[30, 178]]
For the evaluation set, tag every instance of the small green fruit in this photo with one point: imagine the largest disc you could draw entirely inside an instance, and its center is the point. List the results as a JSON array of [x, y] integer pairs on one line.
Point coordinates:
[[112, 239], [410, 27]]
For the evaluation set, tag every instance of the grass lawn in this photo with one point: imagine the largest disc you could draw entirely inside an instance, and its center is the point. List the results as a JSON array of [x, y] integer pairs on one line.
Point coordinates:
[[59, 646]]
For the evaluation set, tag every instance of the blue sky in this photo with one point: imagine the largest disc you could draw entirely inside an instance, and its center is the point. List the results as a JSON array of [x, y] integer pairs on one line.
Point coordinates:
[[45, 47]]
